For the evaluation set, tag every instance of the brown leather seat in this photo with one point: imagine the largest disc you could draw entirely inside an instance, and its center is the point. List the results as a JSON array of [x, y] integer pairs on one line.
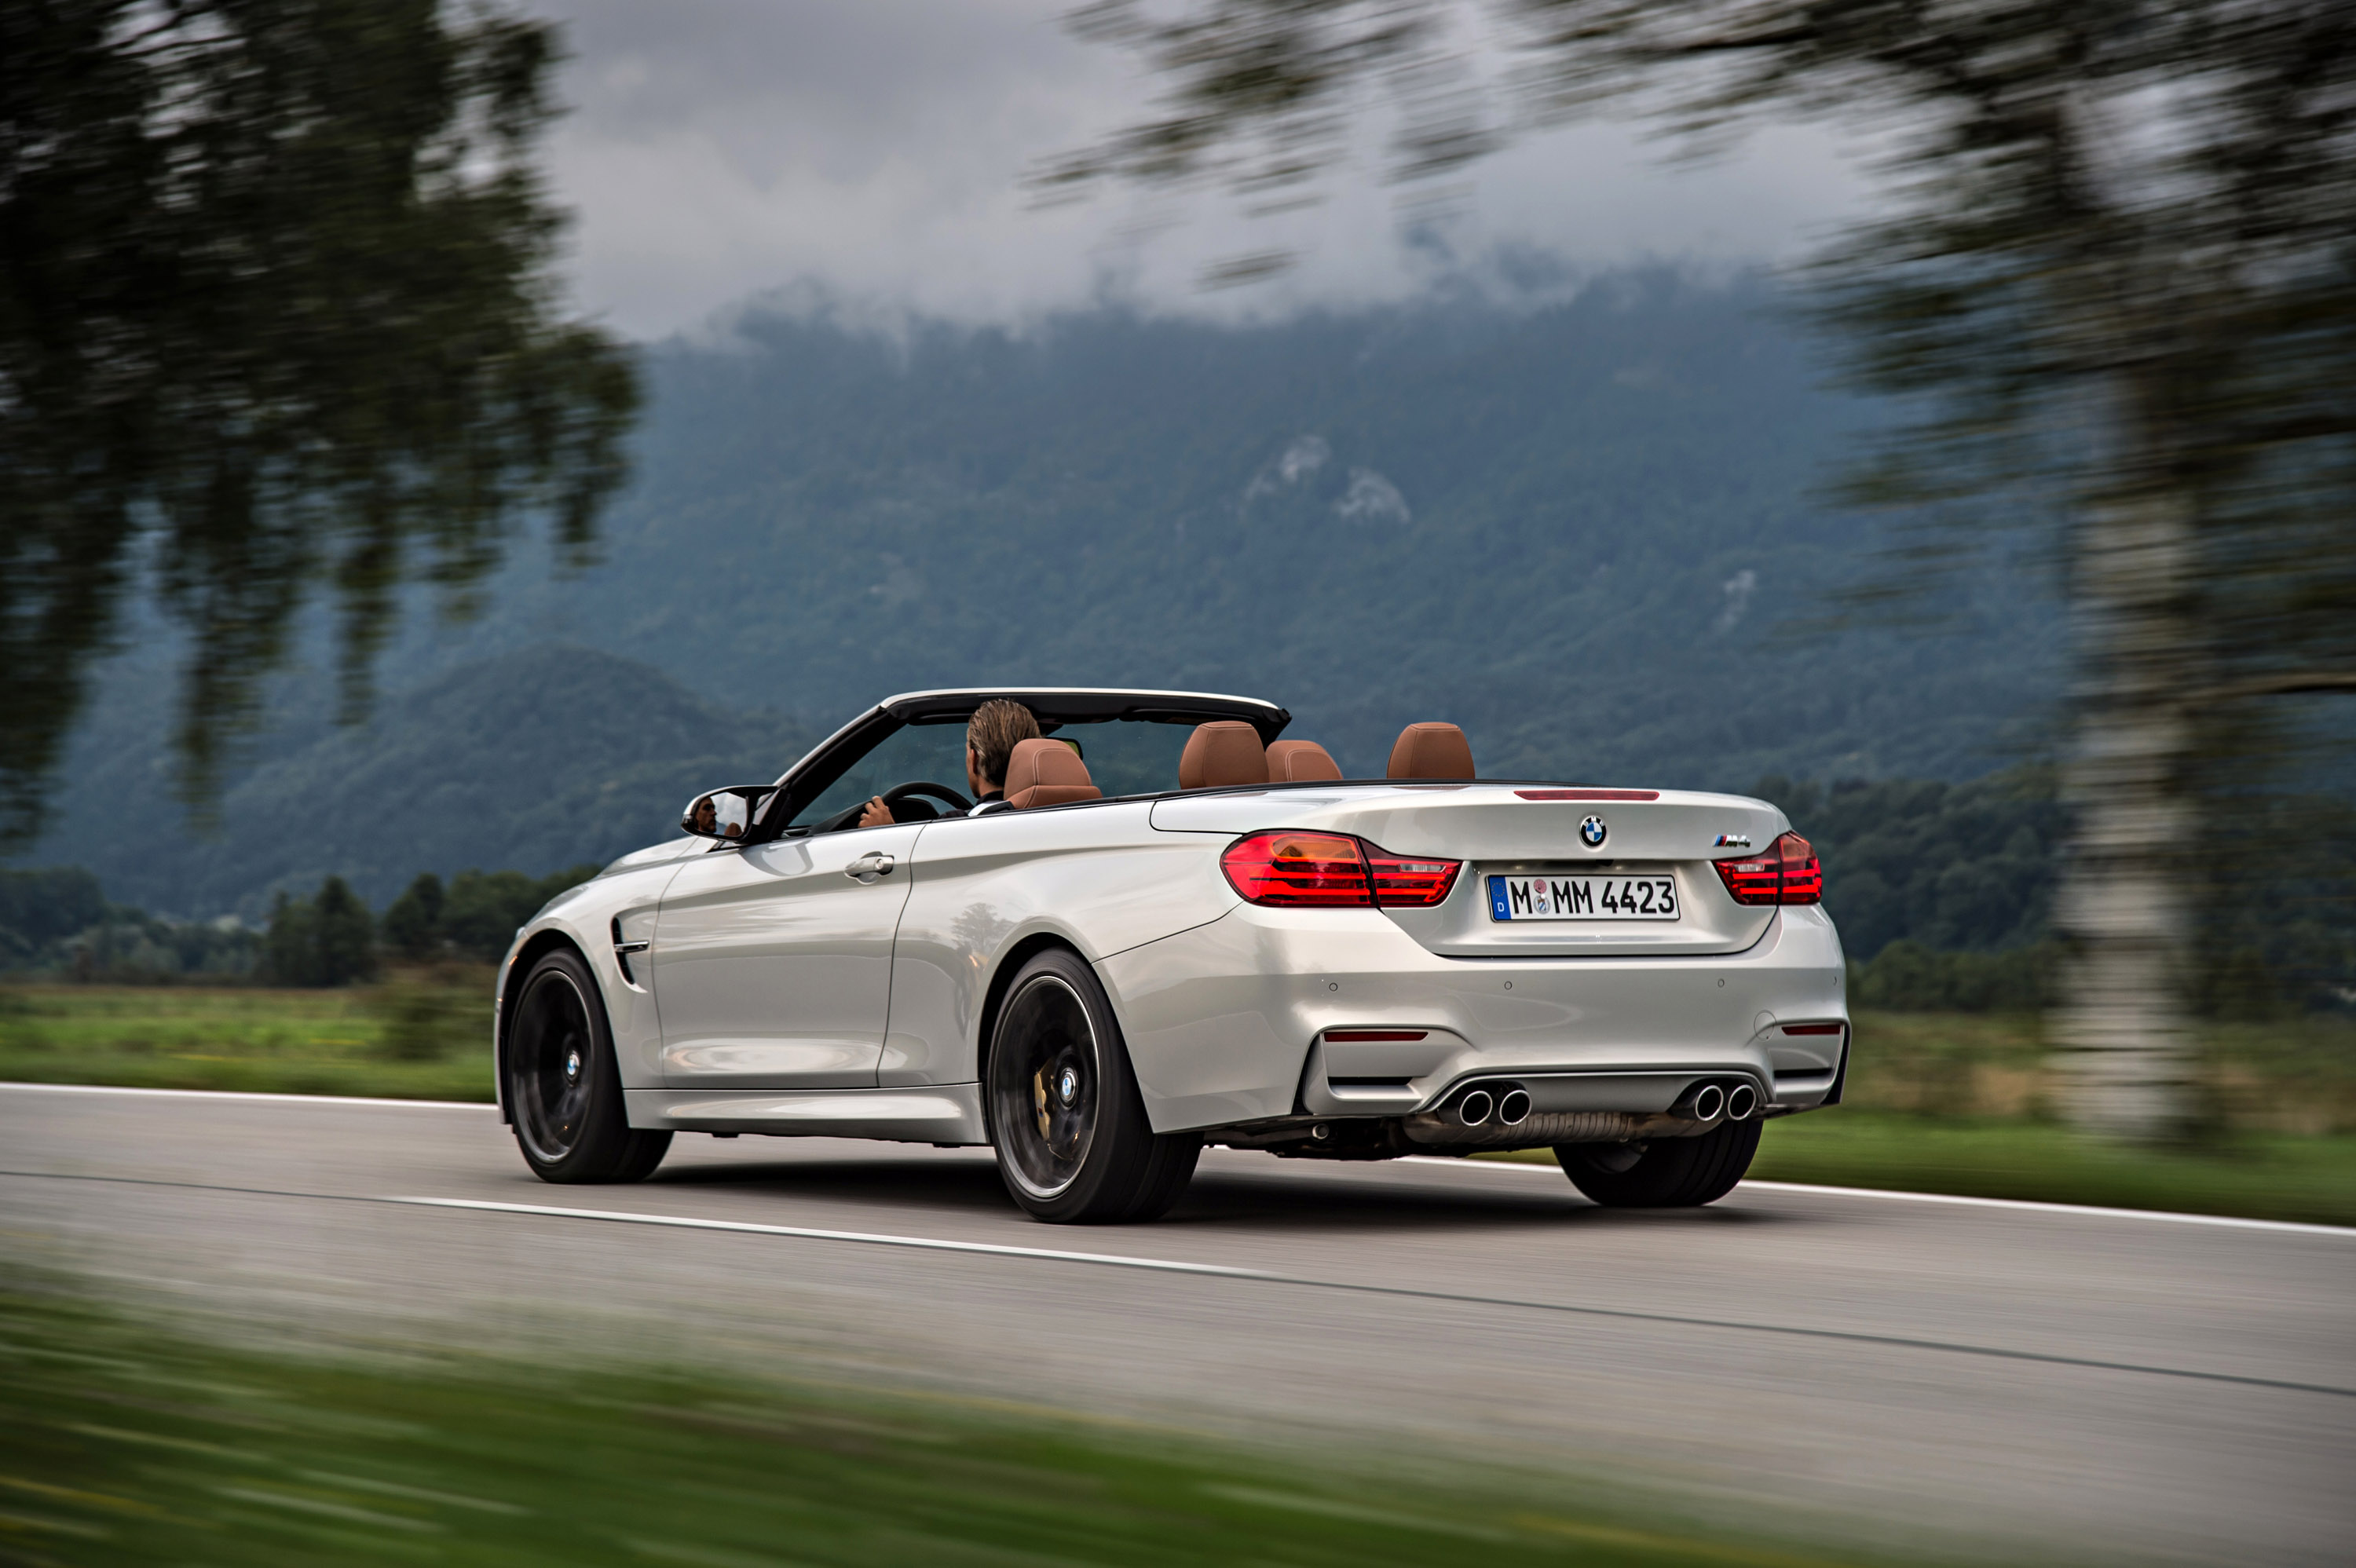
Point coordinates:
[[1046, 773], [1431, 752], [1224, 751], [1297, 761]]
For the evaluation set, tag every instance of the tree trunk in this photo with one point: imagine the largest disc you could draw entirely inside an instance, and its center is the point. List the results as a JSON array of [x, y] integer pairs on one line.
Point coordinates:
[[2125, 907]]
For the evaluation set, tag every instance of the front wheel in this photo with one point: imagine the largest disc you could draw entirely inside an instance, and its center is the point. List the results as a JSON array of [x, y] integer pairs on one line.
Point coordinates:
[[1667, 1173], [1066, 1117], [564, 1088]]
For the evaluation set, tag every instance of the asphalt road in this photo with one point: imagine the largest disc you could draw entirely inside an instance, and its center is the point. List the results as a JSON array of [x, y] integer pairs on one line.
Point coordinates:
[[1993, 1380]]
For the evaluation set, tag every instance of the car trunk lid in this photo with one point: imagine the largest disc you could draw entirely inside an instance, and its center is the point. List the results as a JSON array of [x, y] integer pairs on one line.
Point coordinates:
[[1584, 844]]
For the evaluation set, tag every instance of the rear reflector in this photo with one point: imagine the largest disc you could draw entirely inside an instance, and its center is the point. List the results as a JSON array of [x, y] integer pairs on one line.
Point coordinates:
[[1367, 1036], [1786, 873], [1323, 870], [1403, 881], [1812, 1029], [1589, 794]]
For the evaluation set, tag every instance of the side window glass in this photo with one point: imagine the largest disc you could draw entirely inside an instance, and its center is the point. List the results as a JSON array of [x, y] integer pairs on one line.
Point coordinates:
[[932, 753]]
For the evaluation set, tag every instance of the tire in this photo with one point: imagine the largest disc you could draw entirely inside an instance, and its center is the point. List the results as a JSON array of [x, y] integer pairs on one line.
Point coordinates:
[[1065, 1117], [563, 1086], [1671, 1173]]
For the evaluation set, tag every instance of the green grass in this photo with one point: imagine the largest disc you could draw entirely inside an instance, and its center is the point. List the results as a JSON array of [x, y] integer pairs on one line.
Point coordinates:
[[122, 1443], [414, 1038]]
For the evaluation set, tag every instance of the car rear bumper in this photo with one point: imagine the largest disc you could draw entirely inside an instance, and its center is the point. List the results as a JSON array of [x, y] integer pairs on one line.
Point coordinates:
[[1232, 1022]]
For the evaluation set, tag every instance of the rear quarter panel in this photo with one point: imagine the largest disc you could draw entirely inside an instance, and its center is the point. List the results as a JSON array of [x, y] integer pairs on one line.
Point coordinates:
[[1095, 877]]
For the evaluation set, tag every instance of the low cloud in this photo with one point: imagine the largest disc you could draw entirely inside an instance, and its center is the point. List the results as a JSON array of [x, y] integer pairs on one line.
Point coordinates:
[[721, 148]]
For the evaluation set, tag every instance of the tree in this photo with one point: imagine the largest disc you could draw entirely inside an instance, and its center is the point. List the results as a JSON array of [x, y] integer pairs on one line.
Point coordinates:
[[2116, 282], [276, 312], [325, 940], [412, 925]]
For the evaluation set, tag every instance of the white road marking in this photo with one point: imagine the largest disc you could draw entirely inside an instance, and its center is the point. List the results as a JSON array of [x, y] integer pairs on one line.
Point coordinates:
[[2024, 1205], [2027, 1205], [247, 1095], [873, 1238]]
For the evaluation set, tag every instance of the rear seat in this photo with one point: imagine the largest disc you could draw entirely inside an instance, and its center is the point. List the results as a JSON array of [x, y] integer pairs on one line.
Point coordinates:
[[1048, 772], [1224, 751], [1431, 752], [1298, 761]]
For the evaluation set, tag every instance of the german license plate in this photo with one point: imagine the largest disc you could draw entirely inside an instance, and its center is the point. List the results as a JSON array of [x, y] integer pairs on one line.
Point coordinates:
[[1582, 898]]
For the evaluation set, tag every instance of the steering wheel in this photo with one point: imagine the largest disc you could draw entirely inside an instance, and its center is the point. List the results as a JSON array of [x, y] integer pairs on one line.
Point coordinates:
[[941, 793]]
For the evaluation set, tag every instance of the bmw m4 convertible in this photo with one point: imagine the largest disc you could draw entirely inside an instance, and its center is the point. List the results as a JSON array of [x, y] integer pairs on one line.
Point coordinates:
[[1179, 928]]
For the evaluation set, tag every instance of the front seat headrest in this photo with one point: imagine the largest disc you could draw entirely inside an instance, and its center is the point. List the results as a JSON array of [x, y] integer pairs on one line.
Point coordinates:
[[1297, 761], [1431, 752], [1046, 773], [1224, 751]]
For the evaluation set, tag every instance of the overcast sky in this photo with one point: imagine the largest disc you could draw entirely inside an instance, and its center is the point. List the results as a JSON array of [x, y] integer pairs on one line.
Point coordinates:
[[875, 149]]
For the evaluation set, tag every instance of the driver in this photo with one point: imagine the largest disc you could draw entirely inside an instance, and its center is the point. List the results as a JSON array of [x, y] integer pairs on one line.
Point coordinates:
[[991, 736]]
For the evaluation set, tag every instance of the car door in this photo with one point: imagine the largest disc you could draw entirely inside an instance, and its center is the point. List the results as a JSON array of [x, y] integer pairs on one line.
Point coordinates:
[[771, 965]]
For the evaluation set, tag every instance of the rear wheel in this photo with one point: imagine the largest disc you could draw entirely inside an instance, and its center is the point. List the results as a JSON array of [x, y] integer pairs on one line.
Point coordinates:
[[564, 1088], [1066, 1117], [1667, 1173]]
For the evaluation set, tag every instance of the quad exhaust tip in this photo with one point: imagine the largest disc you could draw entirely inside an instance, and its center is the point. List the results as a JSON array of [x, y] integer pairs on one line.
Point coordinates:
[[1741, 1102], [1708, 1103], [1514, 1107], [1474, 1107]]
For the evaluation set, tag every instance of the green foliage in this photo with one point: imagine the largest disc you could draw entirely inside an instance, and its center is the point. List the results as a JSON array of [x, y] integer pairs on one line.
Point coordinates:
[[324, 941], [39, 908], [1964, 866], [486, 909], [1910, 978], [276, 312], [413, 924]]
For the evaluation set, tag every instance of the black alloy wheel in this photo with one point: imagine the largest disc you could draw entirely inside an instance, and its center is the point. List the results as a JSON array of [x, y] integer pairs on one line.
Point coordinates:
[[1065, 1117], [1666, 1173], [564, 1088]]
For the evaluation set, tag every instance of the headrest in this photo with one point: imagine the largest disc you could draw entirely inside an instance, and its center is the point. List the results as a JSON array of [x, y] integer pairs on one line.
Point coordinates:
[[1224, 751], [1046, 773], [1431, 752], [1297, 761]]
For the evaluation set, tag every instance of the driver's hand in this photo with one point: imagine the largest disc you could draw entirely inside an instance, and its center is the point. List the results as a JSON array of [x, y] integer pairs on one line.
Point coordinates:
[[877, 813]]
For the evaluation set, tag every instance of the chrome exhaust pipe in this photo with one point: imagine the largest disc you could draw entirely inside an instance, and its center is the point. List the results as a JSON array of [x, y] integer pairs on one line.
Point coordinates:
[[1704, 1103], [1474, 1107], [1741, 1102], [1514, 1107]]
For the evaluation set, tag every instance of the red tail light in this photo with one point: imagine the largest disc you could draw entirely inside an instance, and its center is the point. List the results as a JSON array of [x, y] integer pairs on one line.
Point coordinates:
[[1329, 869], [1786, 873], [1298, 868]]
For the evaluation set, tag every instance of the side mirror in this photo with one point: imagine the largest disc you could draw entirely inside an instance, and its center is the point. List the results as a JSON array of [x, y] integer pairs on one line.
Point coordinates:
[[724, 813]]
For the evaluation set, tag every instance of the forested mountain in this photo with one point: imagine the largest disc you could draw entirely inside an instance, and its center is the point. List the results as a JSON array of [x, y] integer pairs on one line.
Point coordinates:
[[533, 760], [1575, 529]]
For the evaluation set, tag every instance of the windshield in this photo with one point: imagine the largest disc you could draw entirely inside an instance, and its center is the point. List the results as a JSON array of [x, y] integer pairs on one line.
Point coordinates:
[[1125, 756]]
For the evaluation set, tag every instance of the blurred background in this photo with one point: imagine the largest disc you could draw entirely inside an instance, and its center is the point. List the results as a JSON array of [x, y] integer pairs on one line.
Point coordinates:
[[436, 440]]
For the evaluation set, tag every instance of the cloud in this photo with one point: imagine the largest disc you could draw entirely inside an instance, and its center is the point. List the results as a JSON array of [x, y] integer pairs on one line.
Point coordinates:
[[720, 148]]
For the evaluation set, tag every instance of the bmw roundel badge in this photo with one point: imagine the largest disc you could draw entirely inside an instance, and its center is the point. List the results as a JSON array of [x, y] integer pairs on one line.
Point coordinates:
[[1592, 832]]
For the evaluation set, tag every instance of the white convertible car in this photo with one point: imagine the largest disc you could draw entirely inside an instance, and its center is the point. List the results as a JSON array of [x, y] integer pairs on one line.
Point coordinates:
[[1180, 929]]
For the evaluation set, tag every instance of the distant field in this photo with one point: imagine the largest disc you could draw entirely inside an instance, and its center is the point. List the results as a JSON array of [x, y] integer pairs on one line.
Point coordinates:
[[415, 1037], [1937, 1102]]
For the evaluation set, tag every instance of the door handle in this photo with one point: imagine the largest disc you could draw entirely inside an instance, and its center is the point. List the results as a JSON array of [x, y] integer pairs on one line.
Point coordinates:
[[868, 867]]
